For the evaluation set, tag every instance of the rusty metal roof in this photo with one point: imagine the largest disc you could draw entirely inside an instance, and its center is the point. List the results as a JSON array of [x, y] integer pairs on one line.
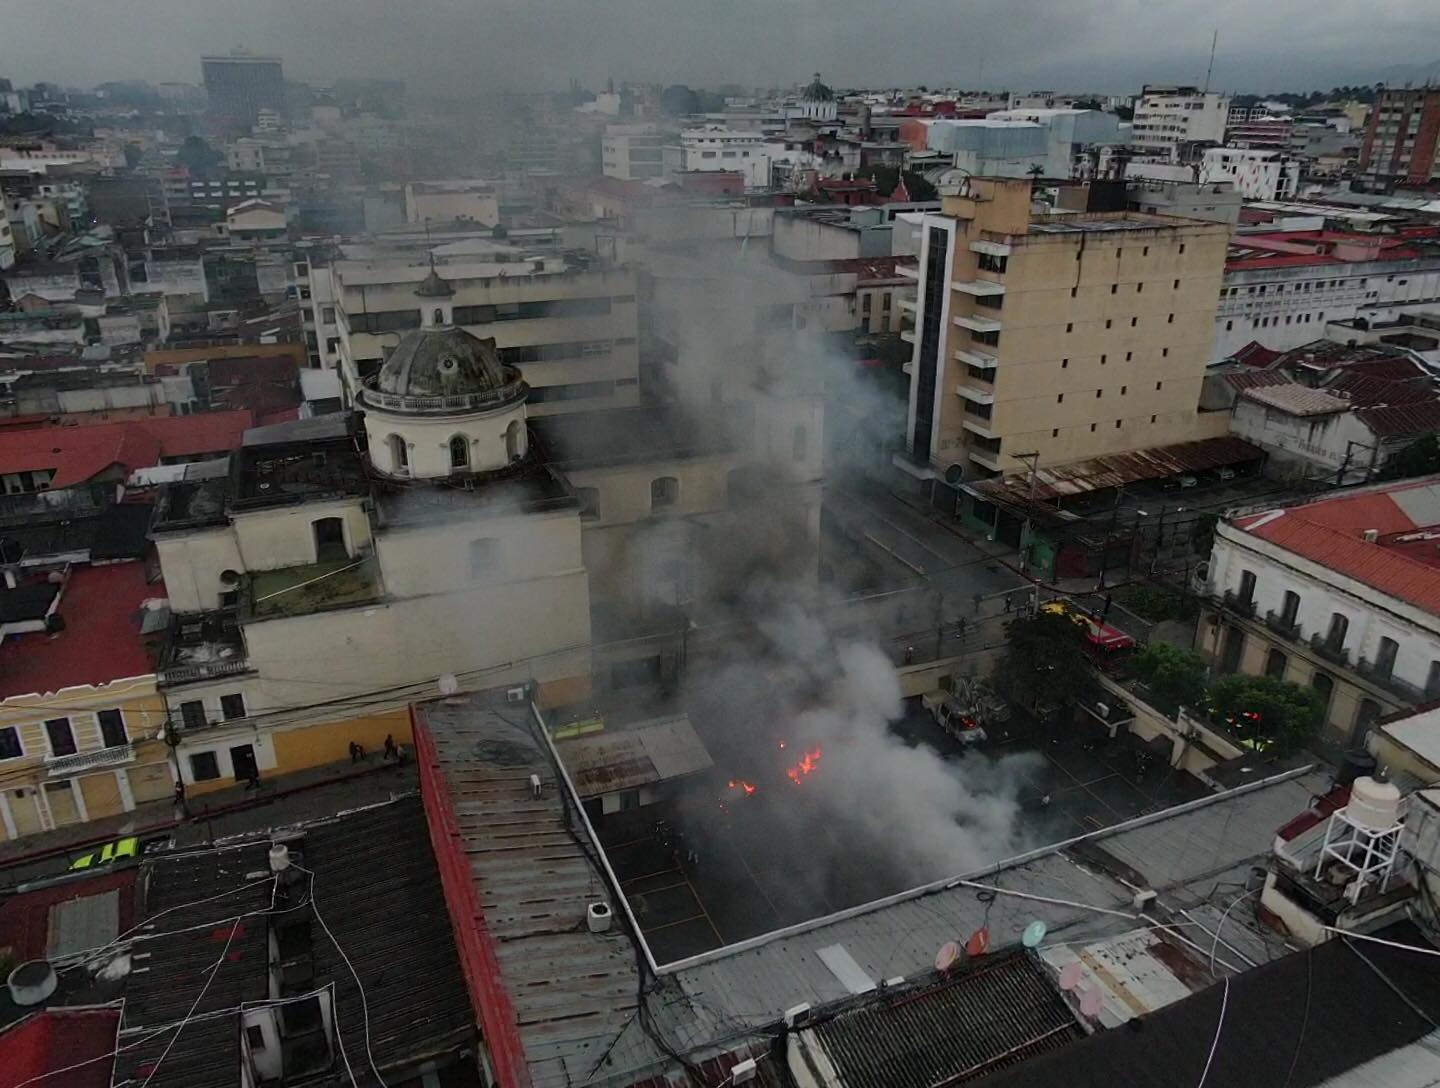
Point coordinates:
[[636, 755], [1119, 469]]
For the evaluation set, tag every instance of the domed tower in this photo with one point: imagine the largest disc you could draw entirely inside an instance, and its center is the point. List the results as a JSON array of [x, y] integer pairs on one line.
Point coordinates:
[[443, 404], [817, 102]]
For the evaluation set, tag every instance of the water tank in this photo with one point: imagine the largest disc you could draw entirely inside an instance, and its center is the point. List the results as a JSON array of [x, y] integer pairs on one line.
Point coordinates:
[[1373, 805], [279, 858], [32, 982], [598, 917]]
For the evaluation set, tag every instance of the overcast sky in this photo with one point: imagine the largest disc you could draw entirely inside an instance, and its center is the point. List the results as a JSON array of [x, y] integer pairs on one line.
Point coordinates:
[[456, 45]]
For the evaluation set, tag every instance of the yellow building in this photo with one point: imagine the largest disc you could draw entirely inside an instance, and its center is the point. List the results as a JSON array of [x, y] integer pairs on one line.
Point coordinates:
[[1068, 336], [81, 721]]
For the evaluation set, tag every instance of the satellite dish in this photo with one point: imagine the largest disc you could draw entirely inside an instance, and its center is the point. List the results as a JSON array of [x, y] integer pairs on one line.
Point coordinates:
[[448, 684], [1034, 934], [979, 941], [1091, 1003], [947, 957], [1070, 976]]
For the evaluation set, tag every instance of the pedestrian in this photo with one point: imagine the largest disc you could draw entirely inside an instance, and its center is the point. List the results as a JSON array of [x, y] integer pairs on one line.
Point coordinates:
[[909, 655], [1009, 602], [182, 809], [960, 627], [391, 752], [252, 778], [355, 752], [1045, 801]]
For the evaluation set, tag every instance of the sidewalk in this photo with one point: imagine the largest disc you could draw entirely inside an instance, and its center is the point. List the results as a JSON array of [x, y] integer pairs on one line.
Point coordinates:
[[223, 812]]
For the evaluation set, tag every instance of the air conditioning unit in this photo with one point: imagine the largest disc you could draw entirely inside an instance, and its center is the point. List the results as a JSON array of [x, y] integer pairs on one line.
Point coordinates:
[[516, 696], [743, 1072], [797, 1014]]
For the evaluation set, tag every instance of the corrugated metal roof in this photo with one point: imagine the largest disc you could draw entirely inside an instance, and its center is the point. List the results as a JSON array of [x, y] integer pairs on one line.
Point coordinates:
[[1296, 399], [635, 755], [78, 924], [1115, 470], [1250, 379], [1398, 420], [1413, 1066]]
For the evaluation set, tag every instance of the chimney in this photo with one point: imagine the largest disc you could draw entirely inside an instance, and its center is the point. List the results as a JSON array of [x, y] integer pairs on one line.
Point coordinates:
[[1371, 535]]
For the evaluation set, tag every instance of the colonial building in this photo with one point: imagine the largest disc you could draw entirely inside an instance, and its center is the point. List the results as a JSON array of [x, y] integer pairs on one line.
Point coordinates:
[[1338, 594]]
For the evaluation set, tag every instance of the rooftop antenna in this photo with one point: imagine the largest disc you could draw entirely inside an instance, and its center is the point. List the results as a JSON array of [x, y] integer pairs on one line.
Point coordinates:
[[1211, 66]]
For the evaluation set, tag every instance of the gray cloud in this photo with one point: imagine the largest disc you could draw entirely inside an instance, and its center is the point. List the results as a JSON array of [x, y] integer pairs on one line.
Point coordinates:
[[462, 46]]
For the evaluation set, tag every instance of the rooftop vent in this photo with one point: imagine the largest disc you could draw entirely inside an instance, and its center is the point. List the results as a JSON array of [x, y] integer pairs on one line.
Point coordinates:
[[31, 983], [1371, 535], [598, 917]]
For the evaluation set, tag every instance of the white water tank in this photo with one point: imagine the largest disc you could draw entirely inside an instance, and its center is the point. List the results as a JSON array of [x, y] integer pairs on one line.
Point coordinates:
[[598, 917], [1373, 805], [279, 858], [32, 982]]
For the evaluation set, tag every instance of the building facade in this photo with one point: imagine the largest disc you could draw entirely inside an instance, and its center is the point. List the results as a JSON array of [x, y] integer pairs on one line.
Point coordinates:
[[1402, 139], [633, 152], [1167, 117], [1339, 595], [1068, 336], [1255, 174], [240, 86]]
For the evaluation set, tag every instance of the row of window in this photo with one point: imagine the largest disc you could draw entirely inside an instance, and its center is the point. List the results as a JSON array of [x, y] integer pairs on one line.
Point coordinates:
[[193, 715], [398, 320], [59, 735], [1124, 389], [1268, 322], [571, 349]]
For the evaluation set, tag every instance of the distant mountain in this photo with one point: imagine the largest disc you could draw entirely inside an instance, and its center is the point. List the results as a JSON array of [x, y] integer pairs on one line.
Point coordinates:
[[1400, 74]]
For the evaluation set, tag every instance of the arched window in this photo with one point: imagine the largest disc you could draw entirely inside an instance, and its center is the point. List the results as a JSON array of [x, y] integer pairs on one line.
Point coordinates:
[[459, 452], [438, 317], [664, 491], [399, 455], [514, 441], [329, 539]]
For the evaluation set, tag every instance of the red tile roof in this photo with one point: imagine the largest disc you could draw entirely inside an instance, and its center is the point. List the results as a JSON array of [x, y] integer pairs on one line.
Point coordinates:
[[80, 452], [101, 642], [36, 1048], [1254, 379], [1331, 533], [1396, 420], [1255, 354], [25, 918]]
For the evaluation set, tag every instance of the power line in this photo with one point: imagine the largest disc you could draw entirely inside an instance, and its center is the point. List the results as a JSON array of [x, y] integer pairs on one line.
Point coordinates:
[[1219, 1024], [214, 971]]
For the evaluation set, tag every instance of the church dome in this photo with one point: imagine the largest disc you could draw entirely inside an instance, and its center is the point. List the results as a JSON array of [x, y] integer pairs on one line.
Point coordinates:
[[818, 92], [434, 286], [446, 361]]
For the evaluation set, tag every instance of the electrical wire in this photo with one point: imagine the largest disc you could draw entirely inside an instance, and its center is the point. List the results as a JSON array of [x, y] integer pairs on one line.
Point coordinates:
[[1219, 1024], [214, 971], [1381, 940], [1215, 945], [1305, 1016], [364, 999]]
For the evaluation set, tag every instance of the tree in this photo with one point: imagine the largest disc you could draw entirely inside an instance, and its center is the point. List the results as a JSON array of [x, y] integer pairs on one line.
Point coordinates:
[[197, 156], [1088, 104], [1173, 678], [1419, 458], [1044, 666], [1124, 113], [886, 178], [678, 100], [920, 187], [1270, 715]]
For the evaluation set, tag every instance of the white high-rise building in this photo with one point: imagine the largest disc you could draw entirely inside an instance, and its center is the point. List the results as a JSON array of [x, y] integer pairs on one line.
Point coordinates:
[[1166, 117]]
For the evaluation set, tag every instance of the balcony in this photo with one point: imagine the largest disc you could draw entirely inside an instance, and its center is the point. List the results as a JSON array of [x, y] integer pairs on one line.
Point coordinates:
[[1283, 627], [1232, 600], [908, 335], [1403, 690], [909, 271], [976, 323], [978, 288], [985, 458], [982, 359], [204, 646], [207, 670], [907, 305], [975, 393], [116, 756], [1330, 650], [978, 427]]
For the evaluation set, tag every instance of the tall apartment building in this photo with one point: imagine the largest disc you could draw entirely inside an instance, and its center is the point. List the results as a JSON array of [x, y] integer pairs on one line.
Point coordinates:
[[1256, 174], [241, 85], [633, 152], [570, 327], [1070, 336], [1167, 117], [1402, 138]]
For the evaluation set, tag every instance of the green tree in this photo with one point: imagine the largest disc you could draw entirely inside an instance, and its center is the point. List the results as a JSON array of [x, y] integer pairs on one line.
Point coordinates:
[[1173, 678], [197, 156], [1125, 113], [920, 188], [1271, 715], [1419, 458], [1044, 666]]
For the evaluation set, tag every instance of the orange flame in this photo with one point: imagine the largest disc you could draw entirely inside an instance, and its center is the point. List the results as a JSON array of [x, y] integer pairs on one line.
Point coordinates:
[[740, 783], [808, 763]]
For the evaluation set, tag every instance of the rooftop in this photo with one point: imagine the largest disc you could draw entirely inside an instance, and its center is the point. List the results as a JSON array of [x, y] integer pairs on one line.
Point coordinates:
[[1295, 399], [640, 754], [1086, 222], [100, 643], [310, 587], [61, 1048], [1401, 563], [295, 462]]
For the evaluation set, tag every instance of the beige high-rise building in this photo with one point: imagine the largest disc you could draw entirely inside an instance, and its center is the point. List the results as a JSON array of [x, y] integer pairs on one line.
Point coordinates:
[[1070, 336]]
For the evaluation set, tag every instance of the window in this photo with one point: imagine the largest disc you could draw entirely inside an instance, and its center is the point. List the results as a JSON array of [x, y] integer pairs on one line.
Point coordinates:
[[112, 728], [10, 747], [385, 321], [1129, 355], [1060, 398], [865, 304], [1175, 286], [798, 444], [399, 455], [664, 491], [1164, 353], [1102, 359], [1064, 363], [327, 314], [1385, 656], [1124, 389], [192, 714], [1247, 586], [1170, 320], [1108, 322], [459, 452], [1074, 291], [329, 540], [514, 441], [1114, 288], [589, 498], [988, 262], [1290, 608], [1117, 424], [232, 706], [1339, 627], [1134, 321], [1182, 247], [1092, 428], [1432, 683], [1158, 385], [255, 1037], [1153, 418], [60, 736], [204, 767], [1275, 664], [1138, 288], [1099, 393], [1055, 433], [484, 554]]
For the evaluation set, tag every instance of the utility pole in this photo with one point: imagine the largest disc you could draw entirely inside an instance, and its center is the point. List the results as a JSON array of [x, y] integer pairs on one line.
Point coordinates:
[[1034, 458]]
